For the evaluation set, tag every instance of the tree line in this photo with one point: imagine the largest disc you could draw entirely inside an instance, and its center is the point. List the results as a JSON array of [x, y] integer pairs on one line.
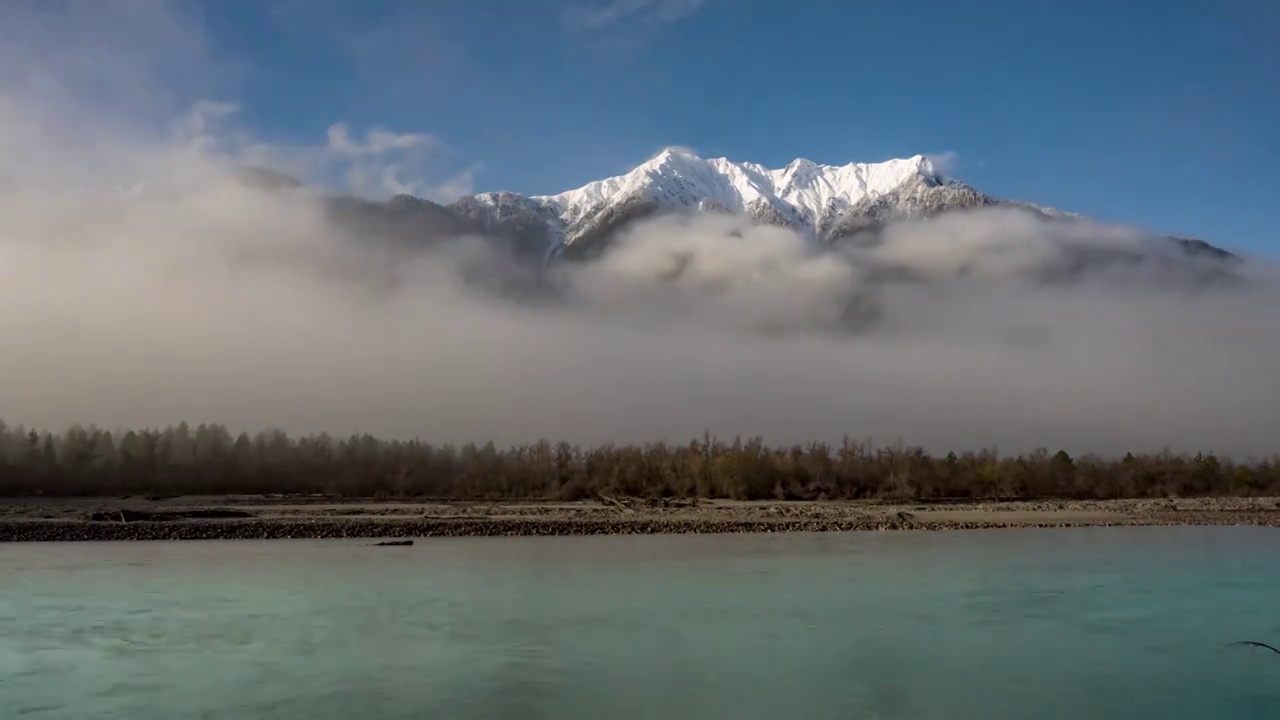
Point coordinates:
[[208, 459]]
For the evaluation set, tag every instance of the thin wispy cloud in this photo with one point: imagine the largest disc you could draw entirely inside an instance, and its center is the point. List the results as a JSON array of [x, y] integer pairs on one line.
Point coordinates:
[[390, 163], [680, 149], [617, 13], [944, 163], [376, 164], [377, 142], [106, 79]]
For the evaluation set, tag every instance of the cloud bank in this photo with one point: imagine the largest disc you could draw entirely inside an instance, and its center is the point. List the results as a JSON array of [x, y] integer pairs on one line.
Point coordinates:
[[146, 283]]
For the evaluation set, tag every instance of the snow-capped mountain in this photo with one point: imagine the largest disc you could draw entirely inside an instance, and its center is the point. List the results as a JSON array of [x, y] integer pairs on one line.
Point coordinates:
[[821, 200], [832, 204], [811, 198], [803, 193]]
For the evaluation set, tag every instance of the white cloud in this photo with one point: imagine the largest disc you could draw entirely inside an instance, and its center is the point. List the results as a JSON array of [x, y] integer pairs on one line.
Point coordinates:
[[944, 163], [378, 164], [596, 16], [105, 78], [377, 142], [389, 163], [679, 149]]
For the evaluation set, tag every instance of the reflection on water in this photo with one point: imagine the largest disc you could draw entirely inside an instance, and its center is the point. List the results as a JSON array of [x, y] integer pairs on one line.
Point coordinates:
[[1083, 623]]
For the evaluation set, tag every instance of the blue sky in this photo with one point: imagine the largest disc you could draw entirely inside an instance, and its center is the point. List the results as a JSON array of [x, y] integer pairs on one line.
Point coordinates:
[[1161, 113]]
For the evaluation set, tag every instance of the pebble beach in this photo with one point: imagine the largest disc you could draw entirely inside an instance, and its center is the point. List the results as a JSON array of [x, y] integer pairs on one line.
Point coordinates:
[[253, 517]]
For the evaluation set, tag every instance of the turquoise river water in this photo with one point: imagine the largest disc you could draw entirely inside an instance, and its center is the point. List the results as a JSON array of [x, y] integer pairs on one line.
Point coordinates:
[[1076, 623]]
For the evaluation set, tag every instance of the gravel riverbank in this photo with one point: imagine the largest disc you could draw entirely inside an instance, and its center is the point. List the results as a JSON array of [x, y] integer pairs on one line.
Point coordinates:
[[215, 518]]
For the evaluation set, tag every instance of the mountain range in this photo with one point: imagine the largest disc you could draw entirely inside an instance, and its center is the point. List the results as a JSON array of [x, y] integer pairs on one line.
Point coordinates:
[[832, 204]]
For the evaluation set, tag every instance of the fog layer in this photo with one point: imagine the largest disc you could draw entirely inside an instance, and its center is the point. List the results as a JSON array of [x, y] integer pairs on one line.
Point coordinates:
[[143, 284]]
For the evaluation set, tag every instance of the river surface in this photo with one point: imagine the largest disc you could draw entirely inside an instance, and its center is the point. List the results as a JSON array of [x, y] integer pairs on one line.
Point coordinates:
[[1093, 623]]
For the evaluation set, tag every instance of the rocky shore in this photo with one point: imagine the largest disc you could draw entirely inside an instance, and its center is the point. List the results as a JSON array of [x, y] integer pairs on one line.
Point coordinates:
[[222, 518]]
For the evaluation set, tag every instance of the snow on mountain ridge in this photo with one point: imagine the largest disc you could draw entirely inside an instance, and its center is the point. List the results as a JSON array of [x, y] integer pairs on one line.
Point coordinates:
[[802, 189], [830, 204]]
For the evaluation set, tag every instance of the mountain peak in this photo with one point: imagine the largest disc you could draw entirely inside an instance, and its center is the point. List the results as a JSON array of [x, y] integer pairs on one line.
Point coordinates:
[[675, 151], [802, 189], [673, 158], [924, 165]]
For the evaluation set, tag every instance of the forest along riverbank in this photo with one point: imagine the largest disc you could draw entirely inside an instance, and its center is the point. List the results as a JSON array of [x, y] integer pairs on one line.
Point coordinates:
[[279, 517]]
